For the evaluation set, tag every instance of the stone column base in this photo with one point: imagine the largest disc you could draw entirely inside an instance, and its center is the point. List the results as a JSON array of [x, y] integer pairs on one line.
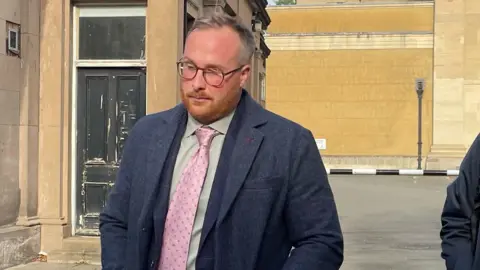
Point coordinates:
[[52, 234], [445, 157]]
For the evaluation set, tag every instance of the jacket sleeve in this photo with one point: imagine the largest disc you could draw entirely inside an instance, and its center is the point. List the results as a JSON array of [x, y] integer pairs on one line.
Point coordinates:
[[114, 218], [458, 208], [311, 213]]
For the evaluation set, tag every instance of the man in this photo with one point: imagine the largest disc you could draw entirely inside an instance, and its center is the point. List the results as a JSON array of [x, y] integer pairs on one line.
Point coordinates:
[[459, 233], [218, 182]]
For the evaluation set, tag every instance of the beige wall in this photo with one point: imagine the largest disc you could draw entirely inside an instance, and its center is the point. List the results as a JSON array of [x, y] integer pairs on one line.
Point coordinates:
[[451, 54], [351, 79], [351, 18], [362, 102]]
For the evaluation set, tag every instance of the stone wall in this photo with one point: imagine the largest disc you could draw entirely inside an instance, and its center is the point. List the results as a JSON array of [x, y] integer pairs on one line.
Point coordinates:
[[10, 84], [456, 107], [347, 72], [19, 79]]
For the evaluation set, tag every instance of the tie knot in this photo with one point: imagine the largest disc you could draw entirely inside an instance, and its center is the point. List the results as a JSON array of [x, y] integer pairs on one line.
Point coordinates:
[[205, 135]]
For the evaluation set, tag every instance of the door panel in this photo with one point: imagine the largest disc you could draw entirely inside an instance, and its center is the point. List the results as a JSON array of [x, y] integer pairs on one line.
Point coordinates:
[[96, 115], [110, 101]]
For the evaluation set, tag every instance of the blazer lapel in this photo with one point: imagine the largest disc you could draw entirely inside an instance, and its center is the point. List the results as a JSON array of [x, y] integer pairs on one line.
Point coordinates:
[[157, 155], [221, 175], [248, 142]]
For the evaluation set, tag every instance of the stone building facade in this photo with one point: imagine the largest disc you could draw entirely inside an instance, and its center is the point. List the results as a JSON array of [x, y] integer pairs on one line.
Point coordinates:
[[75, 75], [347, 70]]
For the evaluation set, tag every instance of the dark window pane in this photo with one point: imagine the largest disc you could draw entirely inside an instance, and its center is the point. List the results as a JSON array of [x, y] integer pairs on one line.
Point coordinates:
[[112, 38], [96, 130], [95, 198], [13, 39], [127, 100]]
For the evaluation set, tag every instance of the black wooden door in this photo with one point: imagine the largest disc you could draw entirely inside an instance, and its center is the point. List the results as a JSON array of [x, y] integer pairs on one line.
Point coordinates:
[[110, 101]]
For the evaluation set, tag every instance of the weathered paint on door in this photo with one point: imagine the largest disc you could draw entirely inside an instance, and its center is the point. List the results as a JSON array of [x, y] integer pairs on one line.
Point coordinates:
[[109, 101]]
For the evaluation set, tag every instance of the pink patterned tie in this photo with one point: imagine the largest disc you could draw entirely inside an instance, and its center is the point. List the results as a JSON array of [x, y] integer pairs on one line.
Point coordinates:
[[183, 206]]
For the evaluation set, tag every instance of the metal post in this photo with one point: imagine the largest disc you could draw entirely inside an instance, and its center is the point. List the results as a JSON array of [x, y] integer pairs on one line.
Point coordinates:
[[419, 87]]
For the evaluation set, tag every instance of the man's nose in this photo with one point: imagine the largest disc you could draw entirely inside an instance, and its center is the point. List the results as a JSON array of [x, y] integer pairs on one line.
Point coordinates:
[[198, 82]]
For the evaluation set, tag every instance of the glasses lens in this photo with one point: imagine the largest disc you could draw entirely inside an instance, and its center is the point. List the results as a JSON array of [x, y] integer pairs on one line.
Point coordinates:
[[213, 78], [187, 70]]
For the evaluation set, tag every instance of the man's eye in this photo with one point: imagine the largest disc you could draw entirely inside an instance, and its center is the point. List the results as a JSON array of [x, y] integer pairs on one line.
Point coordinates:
[[190, 66]]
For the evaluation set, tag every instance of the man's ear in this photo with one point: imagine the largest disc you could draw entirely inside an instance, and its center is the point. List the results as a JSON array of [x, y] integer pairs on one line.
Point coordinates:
[[244, 74]]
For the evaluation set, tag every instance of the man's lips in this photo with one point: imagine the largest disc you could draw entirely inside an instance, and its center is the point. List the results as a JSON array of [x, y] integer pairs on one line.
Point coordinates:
[[199, 98]]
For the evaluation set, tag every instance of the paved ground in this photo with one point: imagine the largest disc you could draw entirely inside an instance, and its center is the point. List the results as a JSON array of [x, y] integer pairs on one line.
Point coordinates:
[[55, 266], [389, 223]]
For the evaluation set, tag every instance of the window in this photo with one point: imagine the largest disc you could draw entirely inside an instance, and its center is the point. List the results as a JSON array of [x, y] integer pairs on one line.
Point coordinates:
[[112, 33], [13, 39]]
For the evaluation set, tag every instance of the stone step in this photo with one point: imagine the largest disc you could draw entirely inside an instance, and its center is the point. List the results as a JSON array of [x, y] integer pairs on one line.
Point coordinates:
[[83, 250], [82, 243]]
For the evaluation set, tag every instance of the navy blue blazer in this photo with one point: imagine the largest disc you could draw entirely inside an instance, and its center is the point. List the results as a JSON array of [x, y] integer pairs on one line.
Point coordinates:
[[271, 196], [456, 231]]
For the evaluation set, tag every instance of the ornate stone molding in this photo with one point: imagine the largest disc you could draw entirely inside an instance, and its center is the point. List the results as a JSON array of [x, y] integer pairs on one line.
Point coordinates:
[[349, 41], [193, 8], [260, 12], [221, 3], [193, 4], [264, 48], [355, 5]]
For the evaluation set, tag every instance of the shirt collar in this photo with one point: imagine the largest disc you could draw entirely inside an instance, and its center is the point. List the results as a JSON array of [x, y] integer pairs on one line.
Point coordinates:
[[220, 125]]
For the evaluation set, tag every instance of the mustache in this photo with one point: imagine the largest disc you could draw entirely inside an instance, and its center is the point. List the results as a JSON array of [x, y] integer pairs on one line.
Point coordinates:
[[195, 94]]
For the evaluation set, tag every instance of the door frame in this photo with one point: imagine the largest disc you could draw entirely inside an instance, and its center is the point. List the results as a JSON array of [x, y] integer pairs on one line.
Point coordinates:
[[86, 10]]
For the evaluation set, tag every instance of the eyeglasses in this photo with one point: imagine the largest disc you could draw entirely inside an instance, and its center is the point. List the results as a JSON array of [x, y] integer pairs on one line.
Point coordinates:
[[212, 76]]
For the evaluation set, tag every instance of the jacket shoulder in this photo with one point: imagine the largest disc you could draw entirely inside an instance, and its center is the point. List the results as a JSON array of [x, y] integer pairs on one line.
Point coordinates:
[[475, 147], [284, 125], [148, 124]]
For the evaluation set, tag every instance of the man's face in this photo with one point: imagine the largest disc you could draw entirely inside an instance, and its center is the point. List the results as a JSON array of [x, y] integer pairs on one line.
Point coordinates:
[[212, 51]]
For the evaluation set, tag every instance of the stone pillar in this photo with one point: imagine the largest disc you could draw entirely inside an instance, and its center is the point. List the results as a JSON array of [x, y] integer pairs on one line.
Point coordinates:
[[53, 184], [448, 96], [28, 129], [254, 81], [163, 49], [471, 83], [258, 60]]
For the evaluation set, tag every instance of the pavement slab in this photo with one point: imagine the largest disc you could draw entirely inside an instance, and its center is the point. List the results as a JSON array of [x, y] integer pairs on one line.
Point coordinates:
[[389, 223], [55, 266]]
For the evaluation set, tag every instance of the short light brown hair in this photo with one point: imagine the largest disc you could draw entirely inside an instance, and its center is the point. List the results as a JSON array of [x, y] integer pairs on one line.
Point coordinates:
[[221, 19]]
